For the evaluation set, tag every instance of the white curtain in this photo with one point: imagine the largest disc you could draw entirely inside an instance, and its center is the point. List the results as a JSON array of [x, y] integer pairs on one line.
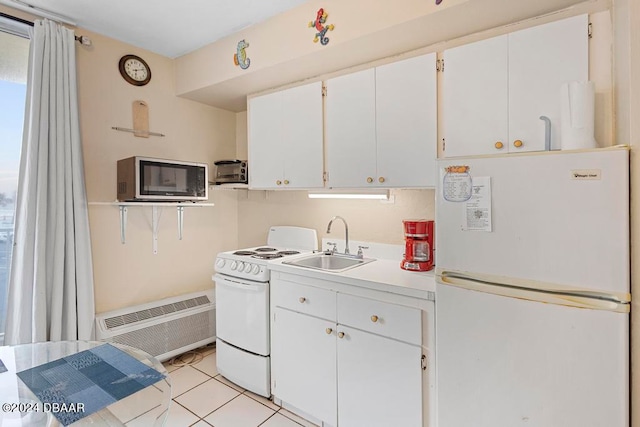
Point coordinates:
[[50, 295]]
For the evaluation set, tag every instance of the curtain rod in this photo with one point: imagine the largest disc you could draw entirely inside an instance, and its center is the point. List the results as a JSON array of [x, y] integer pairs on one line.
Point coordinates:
[[82, 39], [13, 18]]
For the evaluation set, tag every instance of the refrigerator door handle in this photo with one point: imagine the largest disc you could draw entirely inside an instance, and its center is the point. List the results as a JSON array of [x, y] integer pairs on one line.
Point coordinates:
[[537, 291]]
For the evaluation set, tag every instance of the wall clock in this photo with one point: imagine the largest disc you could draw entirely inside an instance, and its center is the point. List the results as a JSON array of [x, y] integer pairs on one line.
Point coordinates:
[[134, 70]]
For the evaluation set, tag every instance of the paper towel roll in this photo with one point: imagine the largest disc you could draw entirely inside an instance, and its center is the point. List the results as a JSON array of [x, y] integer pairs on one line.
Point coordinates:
[[577, 115]]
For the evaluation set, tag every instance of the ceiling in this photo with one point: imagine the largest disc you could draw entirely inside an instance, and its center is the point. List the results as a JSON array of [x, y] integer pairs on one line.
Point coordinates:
[[167, 27]]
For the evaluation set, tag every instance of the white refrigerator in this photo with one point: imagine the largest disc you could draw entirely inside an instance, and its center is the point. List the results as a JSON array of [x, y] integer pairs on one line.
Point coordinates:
[[532, 294]]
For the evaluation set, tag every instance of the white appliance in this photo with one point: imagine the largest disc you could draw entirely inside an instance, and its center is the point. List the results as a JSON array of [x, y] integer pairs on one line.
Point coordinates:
[[532, 317], [242, 306]]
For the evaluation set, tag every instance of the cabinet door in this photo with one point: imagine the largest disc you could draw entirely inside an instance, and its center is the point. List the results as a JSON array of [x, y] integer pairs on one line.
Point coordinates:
[[265, 140], [541, 59], [302, 155], [475, 98], [351, 130], [379, 381], [303, 363], [406, 122]]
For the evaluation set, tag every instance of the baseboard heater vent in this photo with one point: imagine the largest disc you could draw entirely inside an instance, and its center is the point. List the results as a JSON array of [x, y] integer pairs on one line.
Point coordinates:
[[163, 328]]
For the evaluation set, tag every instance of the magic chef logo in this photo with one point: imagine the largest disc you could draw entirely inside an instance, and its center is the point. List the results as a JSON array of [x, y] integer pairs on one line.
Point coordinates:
[[586, 174]]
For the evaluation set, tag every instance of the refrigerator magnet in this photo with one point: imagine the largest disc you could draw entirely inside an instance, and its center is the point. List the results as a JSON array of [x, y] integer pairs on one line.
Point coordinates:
[[456, 183]]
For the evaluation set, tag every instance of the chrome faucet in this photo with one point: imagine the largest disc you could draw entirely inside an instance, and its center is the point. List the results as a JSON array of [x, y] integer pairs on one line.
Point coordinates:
[[346, 232]]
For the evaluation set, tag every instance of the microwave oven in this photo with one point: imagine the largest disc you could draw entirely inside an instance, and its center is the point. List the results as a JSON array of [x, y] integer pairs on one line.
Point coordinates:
[[149, 179]]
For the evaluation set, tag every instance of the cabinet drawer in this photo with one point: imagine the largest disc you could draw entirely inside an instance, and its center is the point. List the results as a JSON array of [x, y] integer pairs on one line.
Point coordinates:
[[304, 299], [383, 318]]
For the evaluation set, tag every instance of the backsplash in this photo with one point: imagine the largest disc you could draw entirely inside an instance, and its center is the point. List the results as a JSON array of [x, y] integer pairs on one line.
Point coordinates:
[[368, 220]]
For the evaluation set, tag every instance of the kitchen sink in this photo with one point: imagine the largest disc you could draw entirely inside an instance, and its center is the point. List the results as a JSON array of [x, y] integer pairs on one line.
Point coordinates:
[[329, 262]]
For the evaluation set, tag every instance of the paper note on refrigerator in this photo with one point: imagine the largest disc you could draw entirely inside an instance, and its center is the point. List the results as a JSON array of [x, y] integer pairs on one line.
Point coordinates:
[[477, 212]]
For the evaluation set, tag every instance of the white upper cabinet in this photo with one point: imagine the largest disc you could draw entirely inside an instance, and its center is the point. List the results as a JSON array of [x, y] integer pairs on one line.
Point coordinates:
[[351, 130], [285, 139], [406, 122], [496, 90], [381, 126], [475, 97]]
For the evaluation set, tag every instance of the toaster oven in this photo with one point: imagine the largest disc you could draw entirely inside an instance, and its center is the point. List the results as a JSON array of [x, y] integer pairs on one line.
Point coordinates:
[[231, 172]]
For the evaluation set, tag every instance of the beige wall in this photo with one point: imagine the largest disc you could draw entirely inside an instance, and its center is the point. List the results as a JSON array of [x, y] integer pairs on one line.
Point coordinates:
[[287, 38], [369, 220], [131, 274], [281, 49]]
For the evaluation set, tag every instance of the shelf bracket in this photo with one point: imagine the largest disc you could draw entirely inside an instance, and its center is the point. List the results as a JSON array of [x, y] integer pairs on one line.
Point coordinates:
[[155, 218], [123, 224], [180, 221]]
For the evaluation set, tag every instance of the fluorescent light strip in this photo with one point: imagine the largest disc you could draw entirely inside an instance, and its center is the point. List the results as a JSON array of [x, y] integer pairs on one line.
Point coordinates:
[[351, 195]]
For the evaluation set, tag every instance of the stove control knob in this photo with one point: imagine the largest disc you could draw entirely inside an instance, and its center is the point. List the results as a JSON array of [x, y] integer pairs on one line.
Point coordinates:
[[234, 265], [255, 269], [220, 263], [240, 266], [247, 268]]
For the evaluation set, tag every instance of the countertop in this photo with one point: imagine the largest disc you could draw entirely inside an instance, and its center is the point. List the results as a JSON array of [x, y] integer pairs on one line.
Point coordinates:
[[382, 275]]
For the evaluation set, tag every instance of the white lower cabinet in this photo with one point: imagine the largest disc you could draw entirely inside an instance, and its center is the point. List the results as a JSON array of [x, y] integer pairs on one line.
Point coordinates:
[[347, 364], [379, 381], [303, 363]]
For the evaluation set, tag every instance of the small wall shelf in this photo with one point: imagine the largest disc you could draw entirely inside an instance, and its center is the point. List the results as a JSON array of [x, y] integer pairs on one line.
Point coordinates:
[[156, 210]]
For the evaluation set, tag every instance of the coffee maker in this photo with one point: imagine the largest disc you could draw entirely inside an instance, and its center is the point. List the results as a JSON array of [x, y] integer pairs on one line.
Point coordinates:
[[418, 249]]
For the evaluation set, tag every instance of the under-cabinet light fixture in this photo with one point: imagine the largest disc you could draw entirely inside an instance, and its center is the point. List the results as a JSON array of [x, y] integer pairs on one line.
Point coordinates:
[[350, 194]]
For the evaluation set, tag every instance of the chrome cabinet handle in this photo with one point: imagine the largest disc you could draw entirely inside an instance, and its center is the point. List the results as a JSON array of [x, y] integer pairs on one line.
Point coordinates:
[[278, 182], [328, 331], [374, 318], [302, 300], [340, 334], [369, 179], [286, 182]]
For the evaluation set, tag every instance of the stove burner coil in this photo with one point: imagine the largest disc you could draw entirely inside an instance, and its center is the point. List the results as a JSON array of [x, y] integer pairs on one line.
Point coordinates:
[[265, 249], [266, 256], [285, 253], [244, 253]]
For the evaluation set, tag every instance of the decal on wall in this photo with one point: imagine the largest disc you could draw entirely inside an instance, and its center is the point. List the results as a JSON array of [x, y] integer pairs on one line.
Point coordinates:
[[240, 57], [318, 24]]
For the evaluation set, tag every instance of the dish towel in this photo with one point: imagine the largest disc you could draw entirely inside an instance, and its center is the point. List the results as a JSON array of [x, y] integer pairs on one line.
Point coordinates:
[[88, 381]]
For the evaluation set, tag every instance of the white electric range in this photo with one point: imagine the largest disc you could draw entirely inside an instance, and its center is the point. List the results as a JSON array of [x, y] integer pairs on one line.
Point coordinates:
[[242, 306]]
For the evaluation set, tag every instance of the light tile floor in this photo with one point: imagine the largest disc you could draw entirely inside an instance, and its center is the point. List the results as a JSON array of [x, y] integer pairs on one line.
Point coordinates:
[[204, 398]]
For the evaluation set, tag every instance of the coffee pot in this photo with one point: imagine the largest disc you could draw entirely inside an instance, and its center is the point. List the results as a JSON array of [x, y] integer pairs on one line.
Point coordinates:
[[418, 250]]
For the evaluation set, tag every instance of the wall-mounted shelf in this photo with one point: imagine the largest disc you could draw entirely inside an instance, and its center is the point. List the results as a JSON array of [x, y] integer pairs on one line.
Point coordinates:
[[156, 210], [233, 186]]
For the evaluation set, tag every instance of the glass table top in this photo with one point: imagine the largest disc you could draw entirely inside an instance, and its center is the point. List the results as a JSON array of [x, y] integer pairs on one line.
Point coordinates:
[[147, 407]]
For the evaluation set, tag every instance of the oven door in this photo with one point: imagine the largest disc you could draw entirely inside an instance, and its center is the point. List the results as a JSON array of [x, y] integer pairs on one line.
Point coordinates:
[[242, 313]]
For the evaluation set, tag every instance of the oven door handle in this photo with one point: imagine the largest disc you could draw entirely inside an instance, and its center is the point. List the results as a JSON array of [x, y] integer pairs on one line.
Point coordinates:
[[244, 285]]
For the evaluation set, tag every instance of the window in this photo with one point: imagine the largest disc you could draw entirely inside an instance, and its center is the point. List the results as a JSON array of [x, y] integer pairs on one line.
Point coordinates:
[[14, 52]]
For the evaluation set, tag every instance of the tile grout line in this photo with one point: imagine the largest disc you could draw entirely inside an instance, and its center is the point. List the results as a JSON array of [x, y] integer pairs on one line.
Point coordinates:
[[180, 404], [256, 400], [224, 404], [197, 385]]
